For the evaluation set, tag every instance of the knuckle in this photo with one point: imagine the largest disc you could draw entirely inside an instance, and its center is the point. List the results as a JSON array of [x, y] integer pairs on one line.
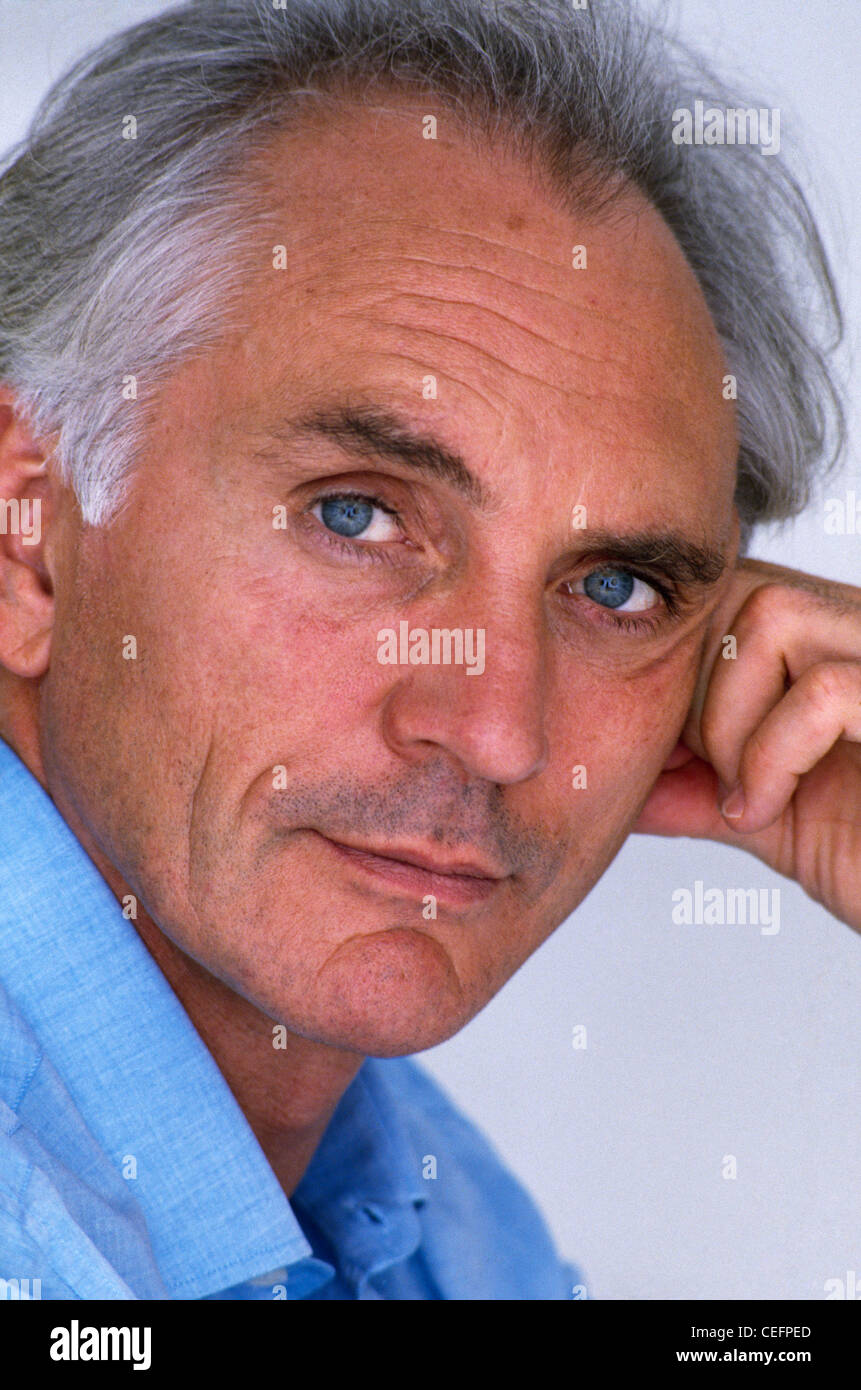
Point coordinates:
[[770, 604], [826, 684]]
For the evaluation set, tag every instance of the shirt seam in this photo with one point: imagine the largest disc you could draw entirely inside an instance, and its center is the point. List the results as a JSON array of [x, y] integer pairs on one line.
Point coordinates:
[[401, 1201], [22, 1196], [220, 1269], [27, 1083]]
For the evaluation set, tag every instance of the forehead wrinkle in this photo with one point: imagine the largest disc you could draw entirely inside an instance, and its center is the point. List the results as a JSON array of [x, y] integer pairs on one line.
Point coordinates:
[[682, 321], [496, 409], [463, 342], [657, 285], [663, 344], [569, 391], [669, 272], [421, 364], [475, 274], [567, 350], [663, 348], [510, 322], [392, 256], [559, 301], [667, 269]]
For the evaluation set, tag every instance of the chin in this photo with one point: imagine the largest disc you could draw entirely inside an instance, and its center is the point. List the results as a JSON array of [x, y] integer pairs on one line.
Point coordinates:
[[388, 994]]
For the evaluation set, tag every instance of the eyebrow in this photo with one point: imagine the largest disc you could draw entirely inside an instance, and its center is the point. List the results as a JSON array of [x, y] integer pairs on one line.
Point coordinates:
[[371, 432], [688, 564]]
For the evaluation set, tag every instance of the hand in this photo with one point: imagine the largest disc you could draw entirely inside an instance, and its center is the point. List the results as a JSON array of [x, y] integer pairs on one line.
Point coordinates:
[[779, 726]]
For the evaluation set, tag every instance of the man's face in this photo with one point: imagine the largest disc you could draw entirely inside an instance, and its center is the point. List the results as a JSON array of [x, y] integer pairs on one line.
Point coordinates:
[[290, 810]]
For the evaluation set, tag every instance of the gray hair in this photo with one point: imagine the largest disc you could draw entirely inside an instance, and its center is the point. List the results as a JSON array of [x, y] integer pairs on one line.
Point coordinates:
[[119, 257]]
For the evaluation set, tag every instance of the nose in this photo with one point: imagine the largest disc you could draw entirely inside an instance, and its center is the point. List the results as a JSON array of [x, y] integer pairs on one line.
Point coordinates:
[[493, 722]]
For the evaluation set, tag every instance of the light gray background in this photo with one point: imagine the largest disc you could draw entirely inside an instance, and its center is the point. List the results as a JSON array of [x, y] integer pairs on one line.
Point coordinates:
[[702, 1041]]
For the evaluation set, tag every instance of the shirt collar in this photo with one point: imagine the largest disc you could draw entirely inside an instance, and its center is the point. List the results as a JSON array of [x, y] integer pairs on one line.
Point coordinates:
[[130, 1058], [150, 1091], [362, 1186]]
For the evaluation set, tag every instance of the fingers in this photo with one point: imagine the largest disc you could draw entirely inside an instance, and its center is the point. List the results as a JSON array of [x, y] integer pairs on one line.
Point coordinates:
[[823, 705], [781, 635], [776, 733]]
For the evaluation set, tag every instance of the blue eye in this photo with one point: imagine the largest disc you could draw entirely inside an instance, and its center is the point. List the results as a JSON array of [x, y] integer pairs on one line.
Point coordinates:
[[347, 516], [352, 514], [611, 588]]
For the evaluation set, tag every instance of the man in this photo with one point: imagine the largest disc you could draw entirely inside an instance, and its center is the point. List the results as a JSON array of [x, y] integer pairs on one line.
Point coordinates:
[[395, 414]]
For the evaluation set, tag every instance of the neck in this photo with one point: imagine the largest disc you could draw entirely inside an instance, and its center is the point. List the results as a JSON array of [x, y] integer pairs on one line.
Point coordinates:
[[289, 1092]]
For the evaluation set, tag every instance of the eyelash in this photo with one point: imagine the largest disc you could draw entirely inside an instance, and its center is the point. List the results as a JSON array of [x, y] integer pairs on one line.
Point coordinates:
[[377, 553], [370, 552], [648, 622], [625, 622]]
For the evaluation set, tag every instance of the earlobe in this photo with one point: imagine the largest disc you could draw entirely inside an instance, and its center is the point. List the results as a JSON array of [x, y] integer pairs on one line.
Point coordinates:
[[26, 590]]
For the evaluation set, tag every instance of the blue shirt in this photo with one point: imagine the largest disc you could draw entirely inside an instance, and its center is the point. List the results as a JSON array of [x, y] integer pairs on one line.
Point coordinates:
[[128, 1170]]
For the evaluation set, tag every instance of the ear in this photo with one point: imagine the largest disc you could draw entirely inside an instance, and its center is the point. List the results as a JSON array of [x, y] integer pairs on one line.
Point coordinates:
[[26, 590]]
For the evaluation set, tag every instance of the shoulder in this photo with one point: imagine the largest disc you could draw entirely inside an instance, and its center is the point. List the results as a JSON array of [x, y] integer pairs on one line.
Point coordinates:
[[481, 1228], [68, 1223]]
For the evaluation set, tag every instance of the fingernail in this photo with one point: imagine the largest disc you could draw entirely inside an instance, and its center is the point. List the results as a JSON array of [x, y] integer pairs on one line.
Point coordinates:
[[733, 807]]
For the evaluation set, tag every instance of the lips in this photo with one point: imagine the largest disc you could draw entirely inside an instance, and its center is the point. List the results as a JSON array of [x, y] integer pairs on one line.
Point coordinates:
[[453, 882]]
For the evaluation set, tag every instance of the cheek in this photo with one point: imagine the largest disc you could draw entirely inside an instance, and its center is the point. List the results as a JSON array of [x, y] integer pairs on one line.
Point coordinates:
[[290, 677], [618, 732]]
